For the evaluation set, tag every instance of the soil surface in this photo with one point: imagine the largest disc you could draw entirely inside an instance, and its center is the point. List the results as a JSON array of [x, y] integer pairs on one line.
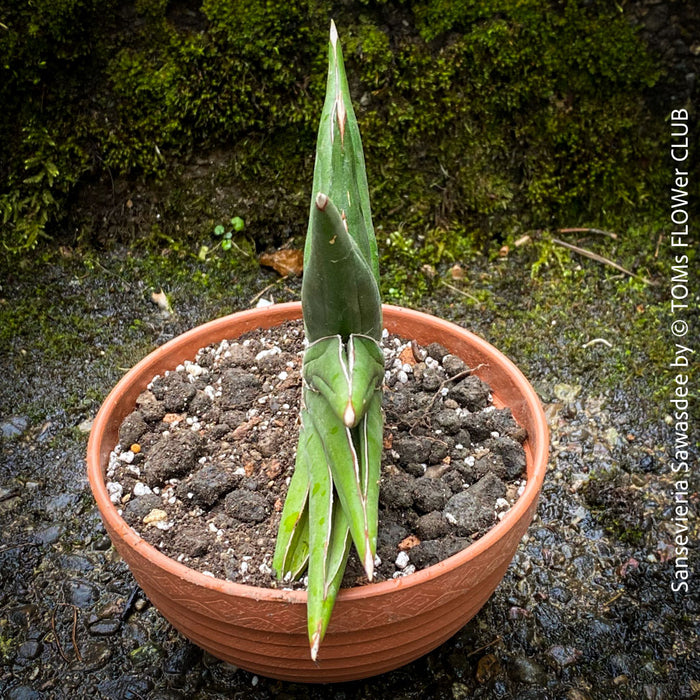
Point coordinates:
[[203, 463]]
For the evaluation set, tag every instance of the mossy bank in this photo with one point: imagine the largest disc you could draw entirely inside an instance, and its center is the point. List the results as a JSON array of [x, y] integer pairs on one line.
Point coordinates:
[[479, 119]]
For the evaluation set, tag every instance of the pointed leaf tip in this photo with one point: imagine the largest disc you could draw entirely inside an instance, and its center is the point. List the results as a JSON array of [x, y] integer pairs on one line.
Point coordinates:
[[315, 644], [334, 34], [349, 419], [369, 563], [321, 201]]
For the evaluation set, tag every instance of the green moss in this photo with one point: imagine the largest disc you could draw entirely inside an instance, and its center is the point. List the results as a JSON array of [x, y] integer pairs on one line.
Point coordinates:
[[488, 117]]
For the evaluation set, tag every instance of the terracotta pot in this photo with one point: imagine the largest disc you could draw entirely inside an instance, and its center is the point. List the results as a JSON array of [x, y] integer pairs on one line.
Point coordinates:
[[374, 628]]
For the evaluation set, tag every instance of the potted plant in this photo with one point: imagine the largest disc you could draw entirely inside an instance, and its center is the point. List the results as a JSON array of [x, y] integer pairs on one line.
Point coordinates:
[[333, 494]]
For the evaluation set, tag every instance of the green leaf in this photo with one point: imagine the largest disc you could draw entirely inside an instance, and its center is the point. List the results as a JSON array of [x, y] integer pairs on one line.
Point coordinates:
[[237, 223], [339, 170], [219, 230], [339, 293], [292, 545], [341, 455], [347, 377], [329, 539]]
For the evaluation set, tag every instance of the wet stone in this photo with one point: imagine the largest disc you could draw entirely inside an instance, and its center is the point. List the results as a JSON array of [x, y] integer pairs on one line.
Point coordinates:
[[105, 628], [95, 655], [563, 656], [524, 670], [49, 535], [126, 687], [14, 426], [547, 616], [146, 655], [30, 649], [22, 615], [61, 502], [24, 692], [182, 659], [80, 593]]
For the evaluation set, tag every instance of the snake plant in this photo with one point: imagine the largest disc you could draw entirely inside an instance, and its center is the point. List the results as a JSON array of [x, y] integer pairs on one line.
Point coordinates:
[[333, 495]]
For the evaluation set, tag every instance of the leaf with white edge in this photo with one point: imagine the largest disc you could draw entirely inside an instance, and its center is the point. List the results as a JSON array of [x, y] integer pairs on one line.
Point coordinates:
[[292, 545], [339, 293], [343, 460], [329, 539]]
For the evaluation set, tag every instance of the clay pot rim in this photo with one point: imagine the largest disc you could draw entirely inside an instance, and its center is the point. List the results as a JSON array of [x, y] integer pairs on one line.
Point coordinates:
[[291, 311]]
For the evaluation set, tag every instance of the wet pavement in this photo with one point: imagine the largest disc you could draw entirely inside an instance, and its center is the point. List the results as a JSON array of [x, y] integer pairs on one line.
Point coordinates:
[[587, 609]]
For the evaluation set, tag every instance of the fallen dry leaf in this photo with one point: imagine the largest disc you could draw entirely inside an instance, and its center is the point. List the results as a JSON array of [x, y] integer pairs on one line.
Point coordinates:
[[285, 262], [457, 272], [487, 668], [160, 299]]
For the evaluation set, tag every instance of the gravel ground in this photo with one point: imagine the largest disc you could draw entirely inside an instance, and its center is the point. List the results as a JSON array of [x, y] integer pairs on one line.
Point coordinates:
[[586, 611]]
